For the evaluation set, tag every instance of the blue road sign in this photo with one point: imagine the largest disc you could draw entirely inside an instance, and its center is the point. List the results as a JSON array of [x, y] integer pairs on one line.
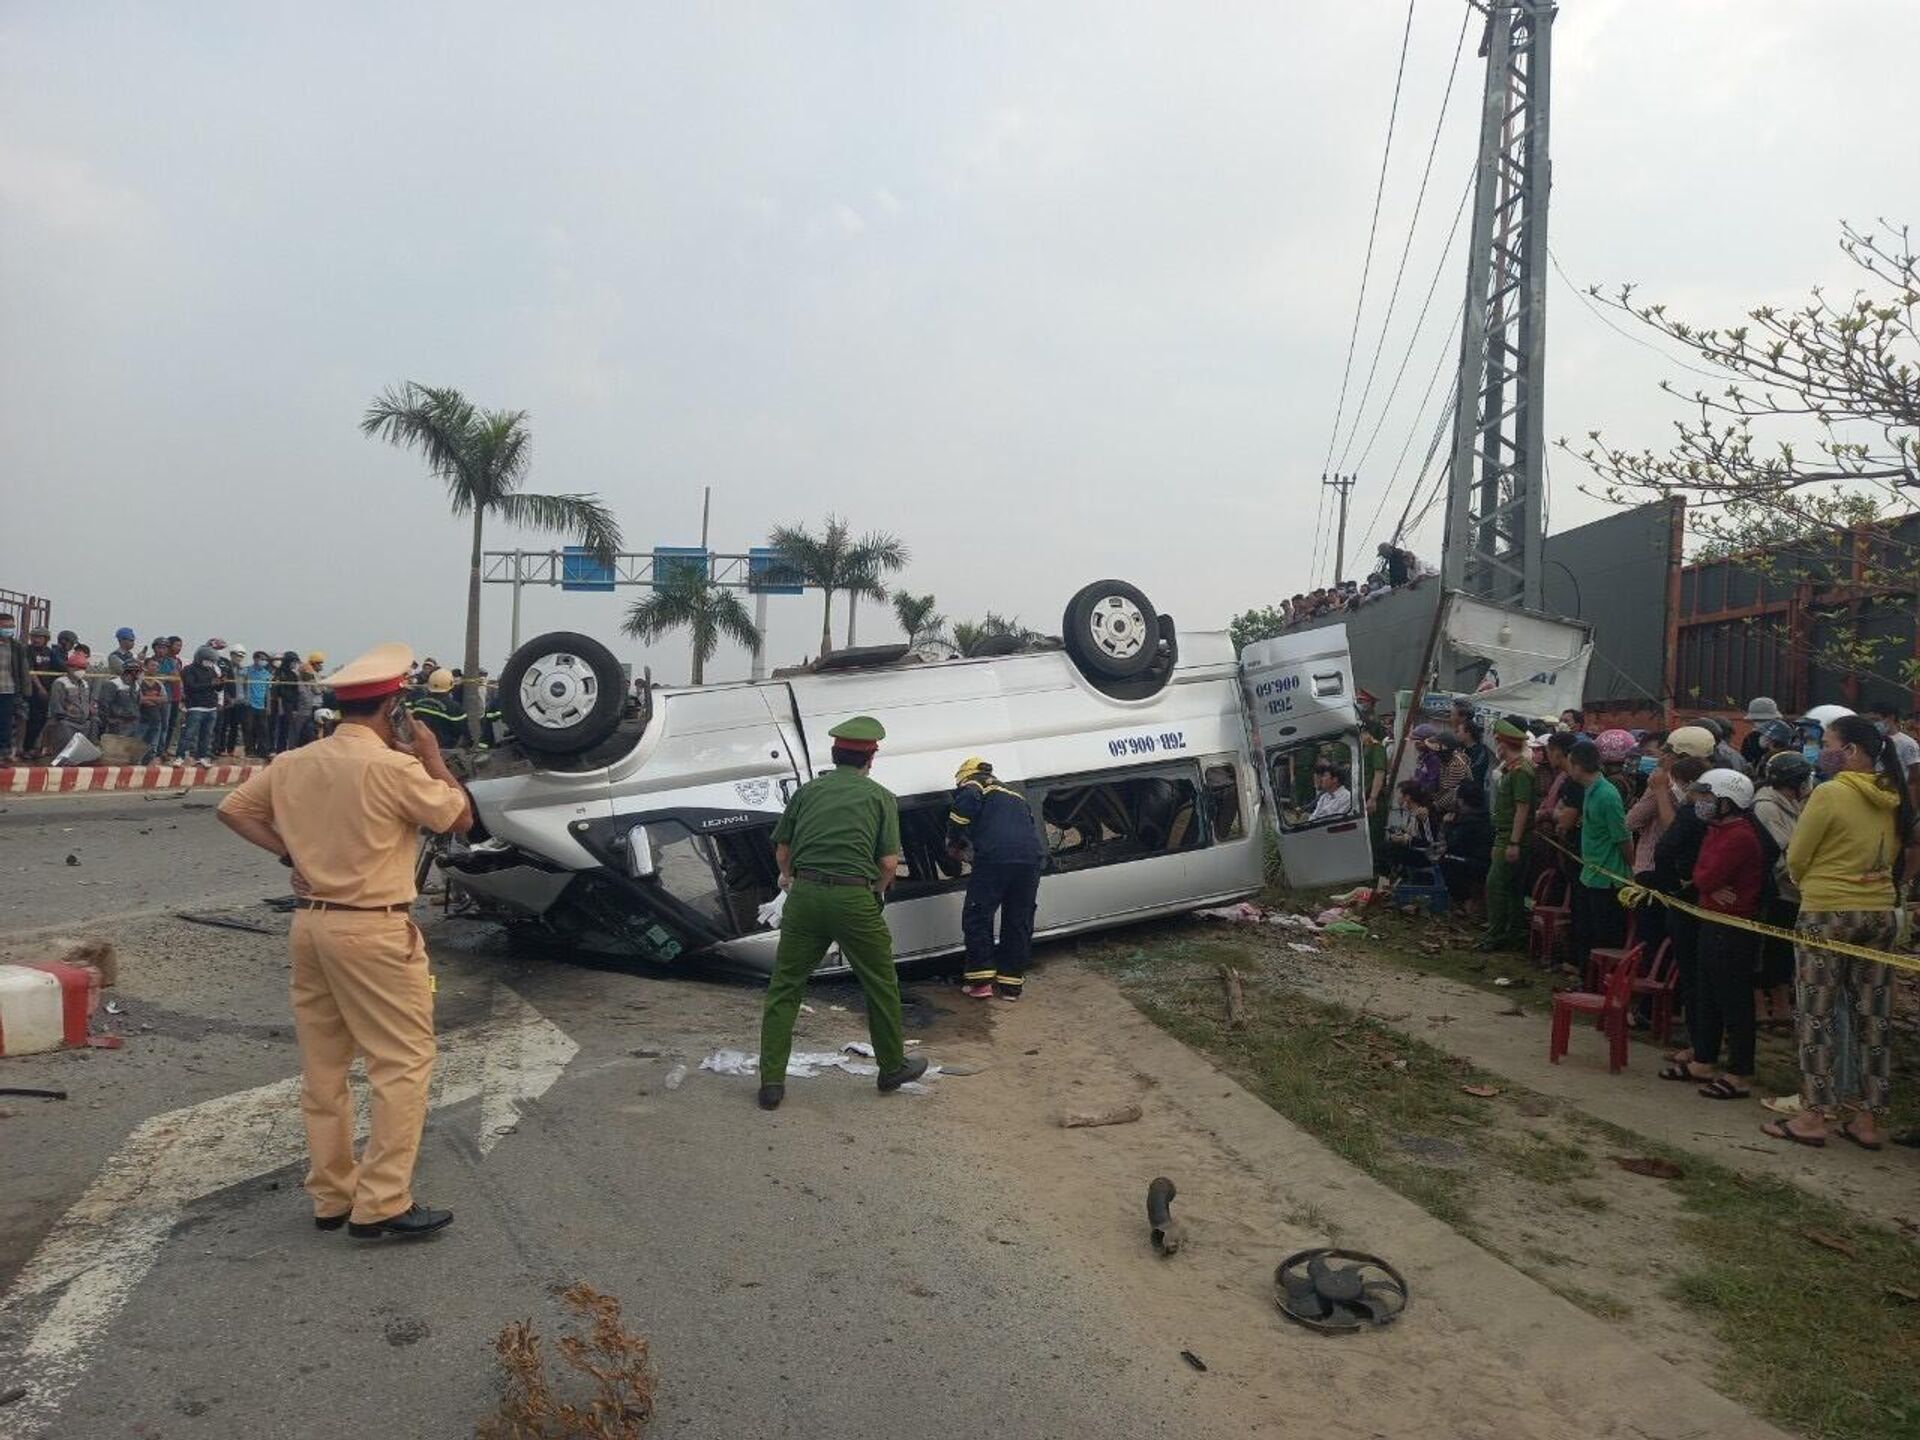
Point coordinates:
[[669, 560], [581, 570], [768, 574]]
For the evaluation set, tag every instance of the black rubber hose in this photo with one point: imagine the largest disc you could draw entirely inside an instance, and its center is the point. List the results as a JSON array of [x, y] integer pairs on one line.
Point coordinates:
[[1160, 1215]]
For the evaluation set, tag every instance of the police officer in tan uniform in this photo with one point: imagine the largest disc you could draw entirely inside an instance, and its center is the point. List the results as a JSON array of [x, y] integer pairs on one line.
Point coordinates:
[[346, 814]]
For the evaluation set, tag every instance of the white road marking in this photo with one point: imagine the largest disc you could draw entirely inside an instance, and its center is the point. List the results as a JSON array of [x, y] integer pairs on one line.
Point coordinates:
[[93, 1259]]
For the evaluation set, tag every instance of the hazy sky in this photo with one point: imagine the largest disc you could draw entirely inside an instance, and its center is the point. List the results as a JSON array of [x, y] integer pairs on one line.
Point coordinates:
[[1052, 291]]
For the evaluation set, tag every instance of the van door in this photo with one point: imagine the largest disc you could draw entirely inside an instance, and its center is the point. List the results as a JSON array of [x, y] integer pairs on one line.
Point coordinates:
[[1300, 690]]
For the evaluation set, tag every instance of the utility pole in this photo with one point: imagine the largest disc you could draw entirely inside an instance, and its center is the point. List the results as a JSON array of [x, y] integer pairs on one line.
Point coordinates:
[[1496, 489], [1343, 487]]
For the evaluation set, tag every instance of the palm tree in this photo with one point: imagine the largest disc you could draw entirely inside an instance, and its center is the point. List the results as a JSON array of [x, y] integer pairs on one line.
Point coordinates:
[[877, 554], [834, 560], [482, 456], [924, 624], [688, 599], [970, 635]]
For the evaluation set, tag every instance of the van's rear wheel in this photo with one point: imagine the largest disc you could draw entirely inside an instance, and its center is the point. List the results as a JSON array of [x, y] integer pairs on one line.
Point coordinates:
[[562, 693], [1111, 630]]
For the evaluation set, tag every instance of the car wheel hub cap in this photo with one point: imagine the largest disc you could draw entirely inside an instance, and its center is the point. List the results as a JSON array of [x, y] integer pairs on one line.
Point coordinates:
[[558, 691], [1118, 627]]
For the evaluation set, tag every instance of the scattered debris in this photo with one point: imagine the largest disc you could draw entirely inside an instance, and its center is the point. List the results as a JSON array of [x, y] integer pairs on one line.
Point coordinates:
[[1346, 927], [645, 1054], [612, 1357], [1303, 947], [1168, 1234], [223, 922], [1194, 1360], [1326, 1296], [1112, 1115], [1902, 1294], [1828, 1241], [805, 1009], [72, 859], [841, 1008], [962, 1068], [676, 1077], [282, 903], [96, 955], [806, 1064], [114, 1007], [1502, 981], [1236, 998], [406, 1330], [1650, 1165], [1783, 1104], [1480, 1092], [1248, 913]]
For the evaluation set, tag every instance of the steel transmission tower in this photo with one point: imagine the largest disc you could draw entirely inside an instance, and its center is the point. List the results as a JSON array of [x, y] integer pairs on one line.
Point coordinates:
[[1496, 490]]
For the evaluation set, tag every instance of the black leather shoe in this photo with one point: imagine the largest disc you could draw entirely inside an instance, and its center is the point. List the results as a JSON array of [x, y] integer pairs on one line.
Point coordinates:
[[771, 1096], [409, 1224], [329, 1222], [912, 1068]]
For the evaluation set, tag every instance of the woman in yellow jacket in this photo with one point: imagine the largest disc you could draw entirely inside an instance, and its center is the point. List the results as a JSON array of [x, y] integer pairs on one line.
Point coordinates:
[[1842, 857]]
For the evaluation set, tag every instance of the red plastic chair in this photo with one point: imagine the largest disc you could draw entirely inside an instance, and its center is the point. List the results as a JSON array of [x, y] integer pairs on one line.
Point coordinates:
[[1660, 978], [1610, 1007], [1602, 958], [1550, 918]]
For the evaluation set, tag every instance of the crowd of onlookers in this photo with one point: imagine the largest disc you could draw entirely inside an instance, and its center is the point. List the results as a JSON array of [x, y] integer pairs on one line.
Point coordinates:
[[162, 704], [1807, 826], [1394, 568]]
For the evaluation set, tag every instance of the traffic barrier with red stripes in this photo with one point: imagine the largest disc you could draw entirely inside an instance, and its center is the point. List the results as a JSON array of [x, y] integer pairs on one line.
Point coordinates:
[[45, 1005], [84, 779]]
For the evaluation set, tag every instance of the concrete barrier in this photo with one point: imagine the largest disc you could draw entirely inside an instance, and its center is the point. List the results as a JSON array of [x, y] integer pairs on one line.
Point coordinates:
[[84, 779]]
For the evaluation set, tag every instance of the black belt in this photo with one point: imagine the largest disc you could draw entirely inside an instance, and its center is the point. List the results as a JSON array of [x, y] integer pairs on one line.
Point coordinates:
[[356, 909], [821, 877]]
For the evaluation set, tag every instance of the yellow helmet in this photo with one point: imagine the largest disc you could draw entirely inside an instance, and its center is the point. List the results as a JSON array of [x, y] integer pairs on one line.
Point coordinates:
[[970, 767], [440, 681], [317, 658]]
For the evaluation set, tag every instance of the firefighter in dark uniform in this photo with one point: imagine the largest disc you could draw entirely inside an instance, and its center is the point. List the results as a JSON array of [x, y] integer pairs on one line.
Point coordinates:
[[438, 711], [1005, 880], [838, 844]]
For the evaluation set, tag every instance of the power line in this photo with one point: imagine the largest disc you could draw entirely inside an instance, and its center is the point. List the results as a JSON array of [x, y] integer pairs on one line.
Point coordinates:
[[1446, 253], [1406, 248], [1449, 341], [1366, 267], [1607, 320]]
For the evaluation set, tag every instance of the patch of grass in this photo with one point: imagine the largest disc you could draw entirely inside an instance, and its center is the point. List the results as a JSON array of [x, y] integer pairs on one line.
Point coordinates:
[[1810, 1337], [1543, 1160]]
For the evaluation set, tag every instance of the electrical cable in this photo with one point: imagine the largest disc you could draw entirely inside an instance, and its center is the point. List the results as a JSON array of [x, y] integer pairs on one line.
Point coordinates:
[[1607, 320], [1373, 226], [1406, 248]]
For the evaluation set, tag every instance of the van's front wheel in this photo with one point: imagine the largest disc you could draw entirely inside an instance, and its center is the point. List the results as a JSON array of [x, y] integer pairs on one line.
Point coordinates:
[[1111, 630]]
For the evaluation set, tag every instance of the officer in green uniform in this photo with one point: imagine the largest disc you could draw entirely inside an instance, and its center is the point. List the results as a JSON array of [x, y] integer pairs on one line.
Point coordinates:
[[1513, 798], [838, 844]]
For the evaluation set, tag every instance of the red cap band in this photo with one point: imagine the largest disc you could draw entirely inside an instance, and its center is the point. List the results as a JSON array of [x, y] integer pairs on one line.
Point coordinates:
[[859, 747], [372, 689]]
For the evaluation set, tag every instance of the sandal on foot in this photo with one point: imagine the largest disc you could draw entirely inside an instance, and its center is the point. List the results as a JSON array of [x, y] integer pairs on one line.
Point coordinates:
[[1682, 1072], [1722, 1088], [1780, 1130], [1846, 1133]]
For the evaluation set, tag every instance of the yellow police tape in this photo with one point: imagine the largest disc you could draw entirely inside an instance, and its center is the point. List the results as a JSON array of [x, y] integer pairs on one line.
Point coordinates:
[[1630, 894]]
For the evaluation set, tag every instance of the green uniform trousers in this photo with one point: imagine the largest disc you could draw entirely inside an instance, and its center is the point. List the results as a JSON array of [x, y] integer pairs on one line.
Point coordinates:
[[1506, 907], [814, 917]]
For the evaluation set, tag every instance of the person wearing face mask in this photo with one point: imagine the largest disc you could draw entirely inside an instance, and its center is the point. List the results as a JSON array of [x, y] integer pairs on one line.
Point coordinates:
[[1886, 719], [1728, 877], [1842, 856], [1812, 730], [15, 682]]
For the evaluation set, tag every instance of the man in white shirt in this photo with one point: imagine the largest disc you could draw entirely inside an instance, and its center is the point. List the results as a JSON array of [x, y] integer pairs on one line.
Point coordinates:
[[1336, 800], [1887, 718]]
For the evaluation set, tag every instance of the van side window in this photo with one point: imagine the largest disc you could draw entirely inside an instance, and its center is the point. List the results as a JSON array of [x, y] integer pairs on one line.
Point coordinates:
[[1223, 803], [1111, 817], [925, 866]]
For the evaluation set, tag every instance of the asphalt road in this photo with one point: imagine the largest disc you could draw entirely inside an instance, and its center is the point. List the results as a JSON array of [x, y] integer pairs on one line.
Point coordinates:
[[950, 1263]]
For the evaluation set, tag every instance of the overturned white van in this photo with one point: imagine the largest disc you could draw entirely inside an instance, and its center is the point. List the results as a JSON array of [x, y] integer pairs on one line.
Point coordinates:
[[642, 826]]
